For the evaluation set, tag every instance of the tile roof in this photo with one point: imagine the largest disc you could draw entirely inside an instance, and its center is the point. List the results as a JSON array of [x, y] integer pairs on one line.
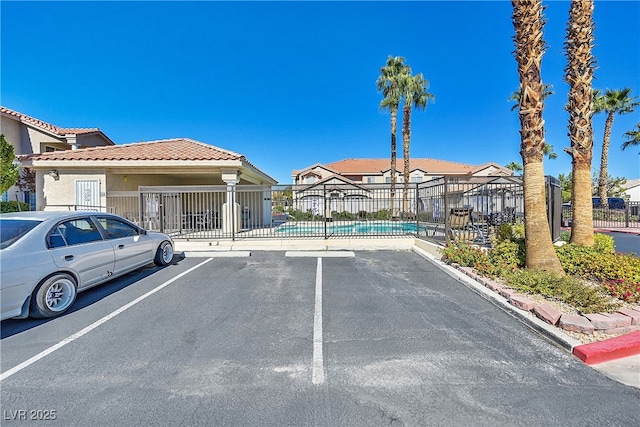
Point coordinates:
[[166, 149], [373, 166], [44, 125], [631, 183]]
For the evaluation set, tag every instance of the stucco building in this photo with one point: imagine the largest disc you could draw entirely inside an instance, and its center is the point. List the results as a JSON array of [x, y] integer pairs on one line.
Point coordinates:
[[29, 135]]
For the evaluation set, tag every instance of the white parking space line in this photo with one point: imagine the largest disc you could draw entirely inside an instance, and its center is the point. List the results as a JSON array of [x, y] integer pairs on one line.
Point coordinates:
[[318, 361], [95, 324], [217, 254], [320, 254]]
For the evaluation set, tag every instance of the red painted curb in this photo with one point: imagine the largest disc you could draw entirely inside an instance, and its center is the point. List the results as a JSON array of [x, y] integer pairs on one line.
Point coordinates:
[[611, 349]]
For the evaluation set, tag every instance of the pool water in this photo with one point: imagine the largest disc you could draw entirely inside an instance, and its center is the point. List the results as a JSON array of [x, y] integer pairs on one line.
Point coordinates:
[[353, 228]]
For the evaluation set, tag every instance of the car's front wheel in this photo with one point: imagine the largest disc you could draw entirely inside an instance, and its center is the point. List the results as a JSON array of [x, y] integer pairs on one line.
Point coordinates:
[[164, 254], [53, 296]]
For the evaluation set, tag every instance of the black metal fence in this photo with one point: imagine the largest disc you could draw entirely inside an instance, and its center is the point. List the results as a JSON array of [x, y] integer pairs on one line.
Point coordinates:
[[339, 209], [493, 201], [622, 216], [324, 210]]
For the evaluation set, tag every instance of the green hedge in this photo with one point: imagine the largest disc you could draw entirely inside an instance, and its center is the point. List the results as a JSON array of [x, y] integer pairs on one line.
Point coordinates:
[[13, 206]]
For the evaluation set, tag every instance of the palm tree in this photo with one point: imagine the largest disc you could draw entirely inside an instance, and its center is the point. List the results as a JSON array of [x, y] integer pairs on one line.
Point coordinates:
[[579, 75], [414, 94], [548, 151], [547, 91], [634, 137], [388, 85], [514, 166], [612, 102], [528, 21]]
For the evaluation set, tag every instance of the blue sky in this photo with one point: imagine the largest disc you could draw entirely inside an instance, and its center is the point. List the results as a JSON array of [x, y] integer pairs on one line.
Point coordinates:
[[289, 84]]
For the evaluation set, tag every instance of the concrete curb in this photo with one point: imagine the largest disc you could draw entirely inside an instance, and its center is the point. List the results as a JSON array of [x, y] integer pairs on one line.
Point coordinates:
[[613, 230], [610, 230], [610, 349]]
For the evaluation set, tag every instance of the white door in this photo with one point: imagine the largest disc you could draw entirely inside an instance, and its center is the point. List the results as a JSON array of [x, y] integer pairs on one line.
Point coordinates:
[[88, 194]]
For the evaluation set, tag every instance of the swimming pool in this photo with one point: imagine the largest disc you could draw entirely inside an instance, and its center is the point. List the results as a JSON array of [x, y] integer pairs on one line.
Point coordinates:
[[352, 228]]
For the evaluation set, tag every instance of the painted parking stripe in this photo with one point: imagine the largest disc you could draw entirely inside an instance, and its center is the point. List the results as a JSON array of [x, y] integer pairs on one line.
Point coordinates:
[[95, 324], [318, 361], [320, 254], [217, 254]]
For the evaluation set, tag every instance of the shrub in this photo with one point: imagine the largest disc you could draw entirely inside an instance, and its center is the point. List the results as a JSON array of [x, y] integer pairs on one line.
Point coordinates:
[[382, 214], [13, 206], [624, 290], [508, 252], [463, 254], [617, 274], [597, 263], [510, 232], [584, 298], [299, 215], [426, 217], [344, 215], [603, 243]]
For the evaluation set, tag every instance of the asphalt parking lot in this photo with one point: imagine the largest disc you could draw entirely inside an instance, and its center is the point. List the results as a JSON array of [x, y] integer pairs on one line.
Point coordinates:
[[377, 338]]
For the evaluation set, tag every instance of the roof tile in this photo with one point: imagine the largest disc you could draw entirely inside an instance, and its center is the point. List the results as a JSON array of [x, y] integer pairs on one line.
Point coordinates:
[[44, 125], [370, 166], [167, 149]]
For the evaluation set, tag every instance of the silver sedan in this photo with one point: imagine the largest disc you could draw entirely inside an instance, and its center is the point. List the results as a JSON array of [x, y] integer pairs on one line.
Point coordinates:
[[47, 257]]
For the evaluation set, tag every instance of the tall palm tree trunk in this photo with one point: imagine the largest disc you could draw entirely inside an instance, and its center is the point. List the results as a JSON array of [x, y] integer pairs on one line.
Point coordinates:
[[388, 84], [604, 160], [406, 141], [579, 75], [528, 22], [394, 126]]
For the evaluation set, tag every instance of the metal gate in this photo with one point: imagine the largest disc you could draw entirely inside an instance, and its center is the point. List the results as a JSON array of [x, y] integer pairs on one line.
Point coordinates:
[[87, 194], [321, 210]]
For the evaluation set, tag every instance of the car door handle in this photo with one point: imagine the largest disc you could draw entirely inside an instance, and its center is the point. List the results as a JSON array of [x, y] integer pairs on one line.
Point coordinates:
[[68, 257], [120, 246]]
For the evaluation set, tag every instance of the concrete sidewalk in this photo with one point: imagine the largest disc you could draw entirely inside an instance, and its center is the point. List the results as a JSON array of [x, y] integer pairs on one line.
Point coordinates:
[[618, 357], [625, 370]]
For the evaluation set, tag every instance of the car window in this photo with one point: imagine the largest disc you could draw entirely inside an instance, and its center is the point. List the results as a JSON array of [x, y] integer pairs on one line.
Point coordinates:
[[78, 231], [56, 238], [616, 203], [116, 229], [12, 230]]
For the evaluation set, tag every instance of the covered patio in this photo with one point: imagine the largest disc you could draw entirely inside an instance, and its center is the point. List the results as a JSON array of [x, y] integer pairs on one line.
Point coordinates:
[[113, 178]]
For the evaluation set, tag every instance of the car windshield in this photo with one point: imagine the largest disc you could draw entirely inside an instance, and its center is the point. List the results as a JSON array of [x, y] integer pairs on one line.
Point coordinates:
[[12, 230]]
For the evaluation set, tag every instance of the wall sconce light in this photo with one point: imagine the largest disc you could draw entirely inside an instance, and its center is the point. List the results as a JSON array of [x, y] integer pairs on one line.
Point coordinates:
[[54, 174]]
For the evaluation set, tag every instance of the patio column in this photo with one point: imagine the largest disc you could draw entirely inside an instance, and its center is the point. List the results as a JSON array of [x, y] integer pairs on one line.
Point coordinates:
[[231, 209]]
